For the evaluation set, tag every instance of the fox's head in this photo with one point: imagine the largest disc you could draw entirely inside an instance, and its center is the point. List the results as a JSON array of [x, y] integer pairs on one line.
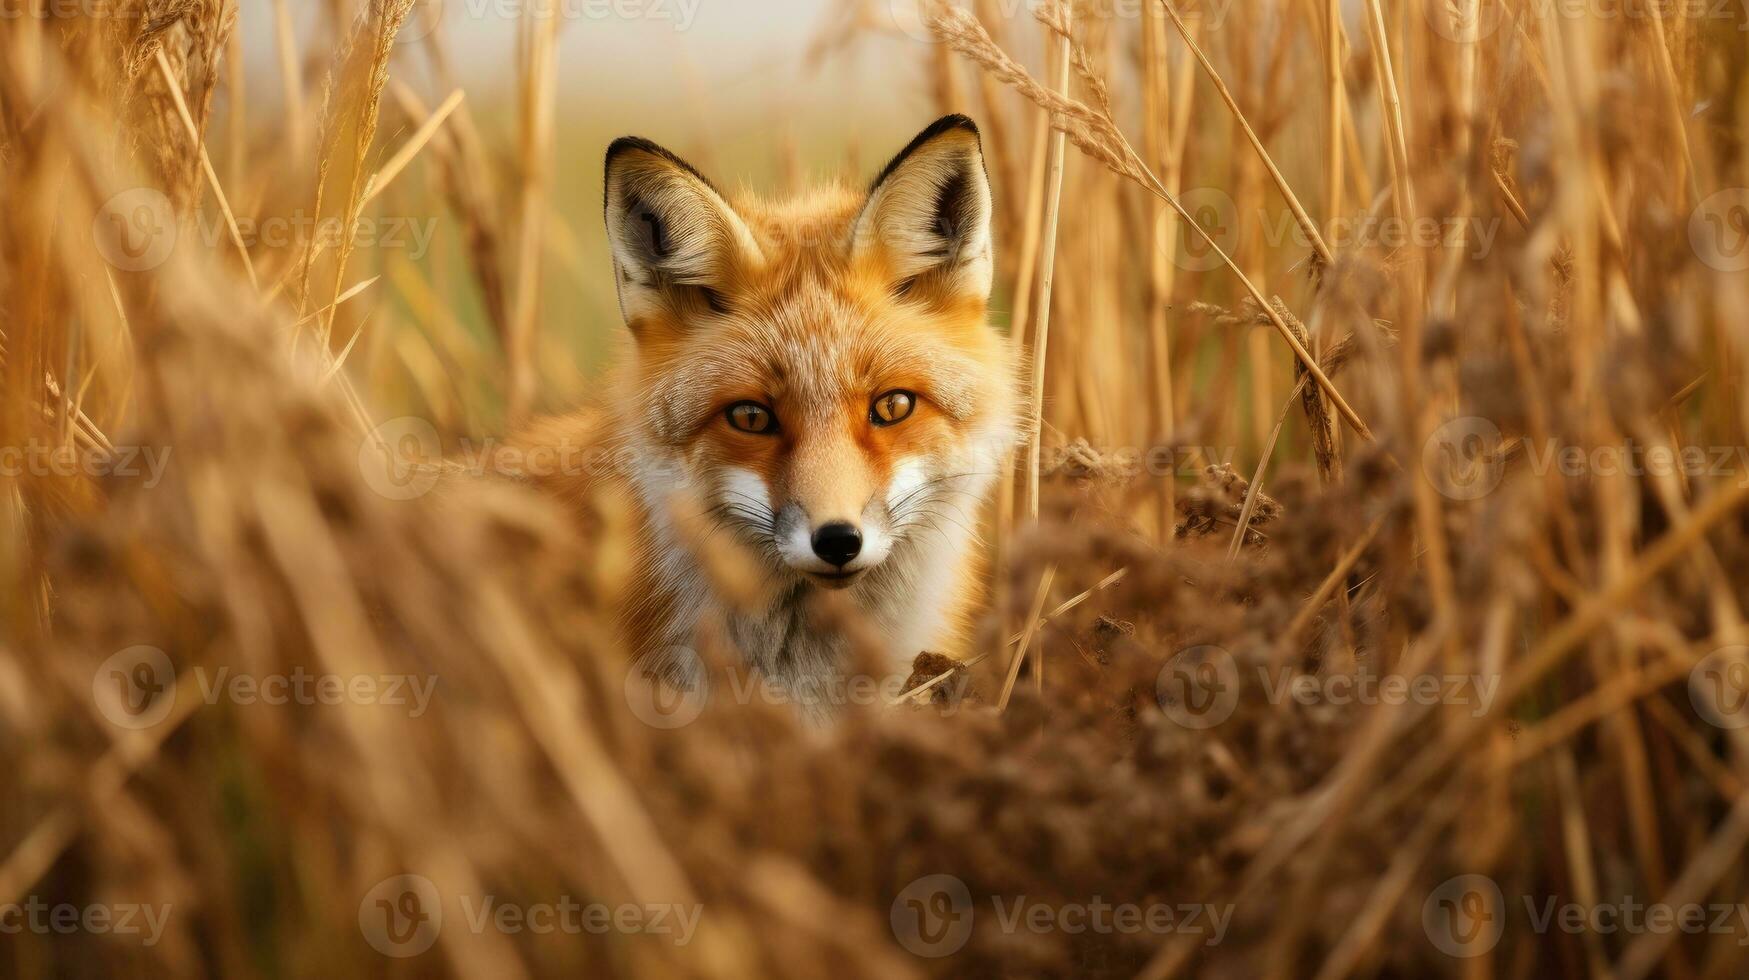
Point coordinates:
[[819, 369]]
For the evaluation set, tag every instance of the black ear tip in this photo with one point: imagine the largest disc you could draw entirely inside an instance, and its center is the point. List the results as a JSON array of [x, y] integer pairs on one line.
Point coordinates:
[[949, 122], [626, 144], [630, 144], [946, 124]]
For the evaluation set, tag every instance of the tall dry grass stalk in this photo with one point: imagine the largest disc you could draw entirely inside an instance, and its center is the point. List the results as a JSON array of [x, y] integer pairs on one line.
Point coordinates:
[[1521, 291], [1050, 210]]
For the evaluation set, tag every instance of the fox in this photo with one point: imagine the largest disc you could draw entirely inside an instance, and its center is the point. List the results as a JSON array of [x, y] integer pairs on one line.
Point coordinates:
[[821, 375]]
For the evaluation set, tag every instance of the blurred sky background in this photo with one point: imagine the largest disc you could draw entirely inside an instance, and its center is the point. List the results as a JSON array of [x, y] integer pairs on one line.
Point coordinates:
[[723, 77]]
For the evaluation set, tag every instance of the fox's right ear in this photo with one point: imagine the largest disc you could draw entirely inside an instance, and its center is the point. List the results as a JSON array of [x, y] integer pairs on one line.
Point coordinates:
[[677, 245]]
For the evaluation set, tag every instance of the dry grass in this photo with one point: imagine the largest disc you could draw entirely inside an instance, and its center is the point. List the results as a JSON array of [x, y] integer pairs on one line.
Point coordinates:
[[1315, 518]]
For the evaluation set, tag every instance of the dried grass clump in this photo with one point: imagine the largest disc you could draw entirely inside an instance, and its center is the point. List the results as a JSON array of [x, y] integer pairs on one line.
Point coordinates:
[[1317, 518]]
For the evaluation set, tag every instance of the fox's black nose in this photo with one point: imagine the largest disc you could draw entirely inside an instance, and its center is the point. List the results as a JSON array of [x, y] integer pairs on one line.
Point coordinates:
[[837, 542]]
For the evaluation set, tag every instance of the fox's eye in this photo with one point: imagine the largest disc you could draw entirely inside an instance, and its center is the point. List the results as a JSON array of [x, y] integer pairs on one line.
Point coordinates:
[[893, 407], [752, 417]]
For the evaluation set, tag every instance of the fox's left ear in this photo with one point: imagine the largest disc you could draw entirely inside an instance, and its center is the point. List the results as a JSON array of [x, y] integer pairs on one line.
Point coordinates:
[[928, 214]]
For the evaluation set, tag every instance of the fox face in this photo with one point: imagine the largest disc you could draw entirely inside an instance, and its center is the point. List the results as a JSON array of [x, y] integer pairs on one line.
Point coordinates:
[[818, 371]]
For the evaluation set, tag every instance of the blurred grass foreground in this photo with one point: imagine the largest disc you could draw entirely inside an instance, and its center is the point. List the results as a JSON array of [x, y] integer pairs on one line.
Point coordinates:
[[1383, 614]]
